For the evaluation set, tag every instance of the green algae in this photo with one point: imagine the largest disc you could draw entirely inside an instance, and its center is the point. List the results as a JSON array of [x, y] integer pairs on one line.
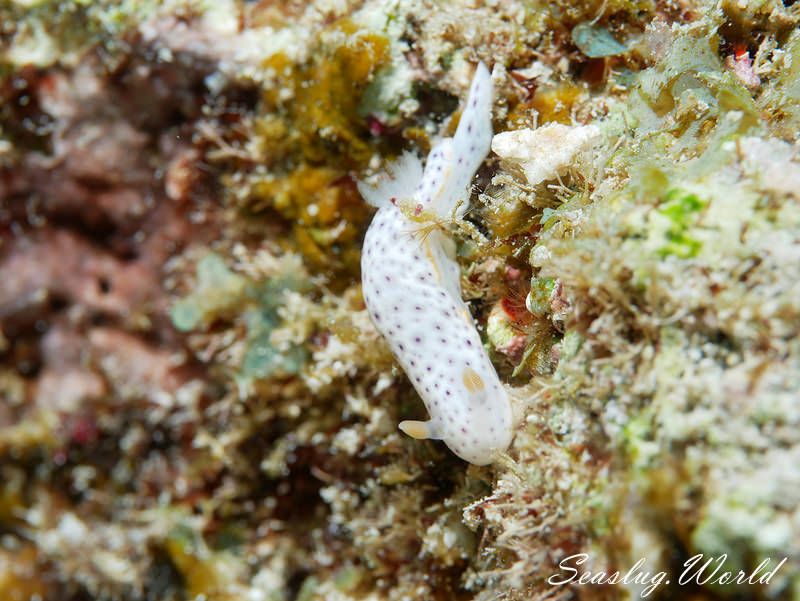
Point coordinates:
[[539, 298], [221, 294], [596, 41], [217, 293], [650, 261], [681, 210], [262, 360]]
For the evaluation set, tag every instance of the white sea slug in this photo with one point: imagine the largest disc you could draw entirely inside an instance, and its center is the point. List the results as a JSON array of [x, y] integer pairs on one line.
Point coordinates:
[[411, 286]]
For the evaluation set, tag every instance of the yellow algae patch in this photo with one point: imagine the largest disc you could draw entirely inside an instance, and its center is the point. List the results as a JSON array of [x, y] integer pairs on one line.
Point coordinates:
[[319, 101], [309, 135], [19, 578], [323, 209], [472, 381], [552, 104]]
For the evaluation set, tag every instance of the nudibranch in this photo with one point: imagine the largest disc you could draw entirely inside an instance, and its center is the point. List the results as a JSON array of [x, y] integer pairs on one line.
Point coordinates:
[[412, 290]]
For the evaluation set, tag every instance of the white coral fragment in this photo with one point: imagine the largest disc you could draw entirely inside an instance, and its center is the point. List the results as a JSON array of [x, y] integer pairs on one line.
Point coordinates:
[[546, 152], [773, 163]]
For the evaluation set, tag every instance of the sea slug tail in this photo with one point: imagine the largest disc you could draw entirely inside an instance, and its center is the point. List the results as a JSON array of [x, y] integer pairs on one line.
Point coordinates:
[[399, 181], [453, 162], [474, 132], [473, 138]]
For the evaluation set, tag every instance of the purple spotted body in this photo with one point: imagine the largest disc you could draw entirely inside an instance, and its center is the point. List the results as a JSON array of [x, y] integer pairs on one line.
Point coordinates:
[[411, 286]]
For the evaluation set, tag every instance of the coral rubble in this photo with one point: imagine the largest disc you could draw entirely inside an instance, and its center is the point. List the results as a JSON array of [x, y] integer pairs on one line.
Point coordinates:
[[194, 403]]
